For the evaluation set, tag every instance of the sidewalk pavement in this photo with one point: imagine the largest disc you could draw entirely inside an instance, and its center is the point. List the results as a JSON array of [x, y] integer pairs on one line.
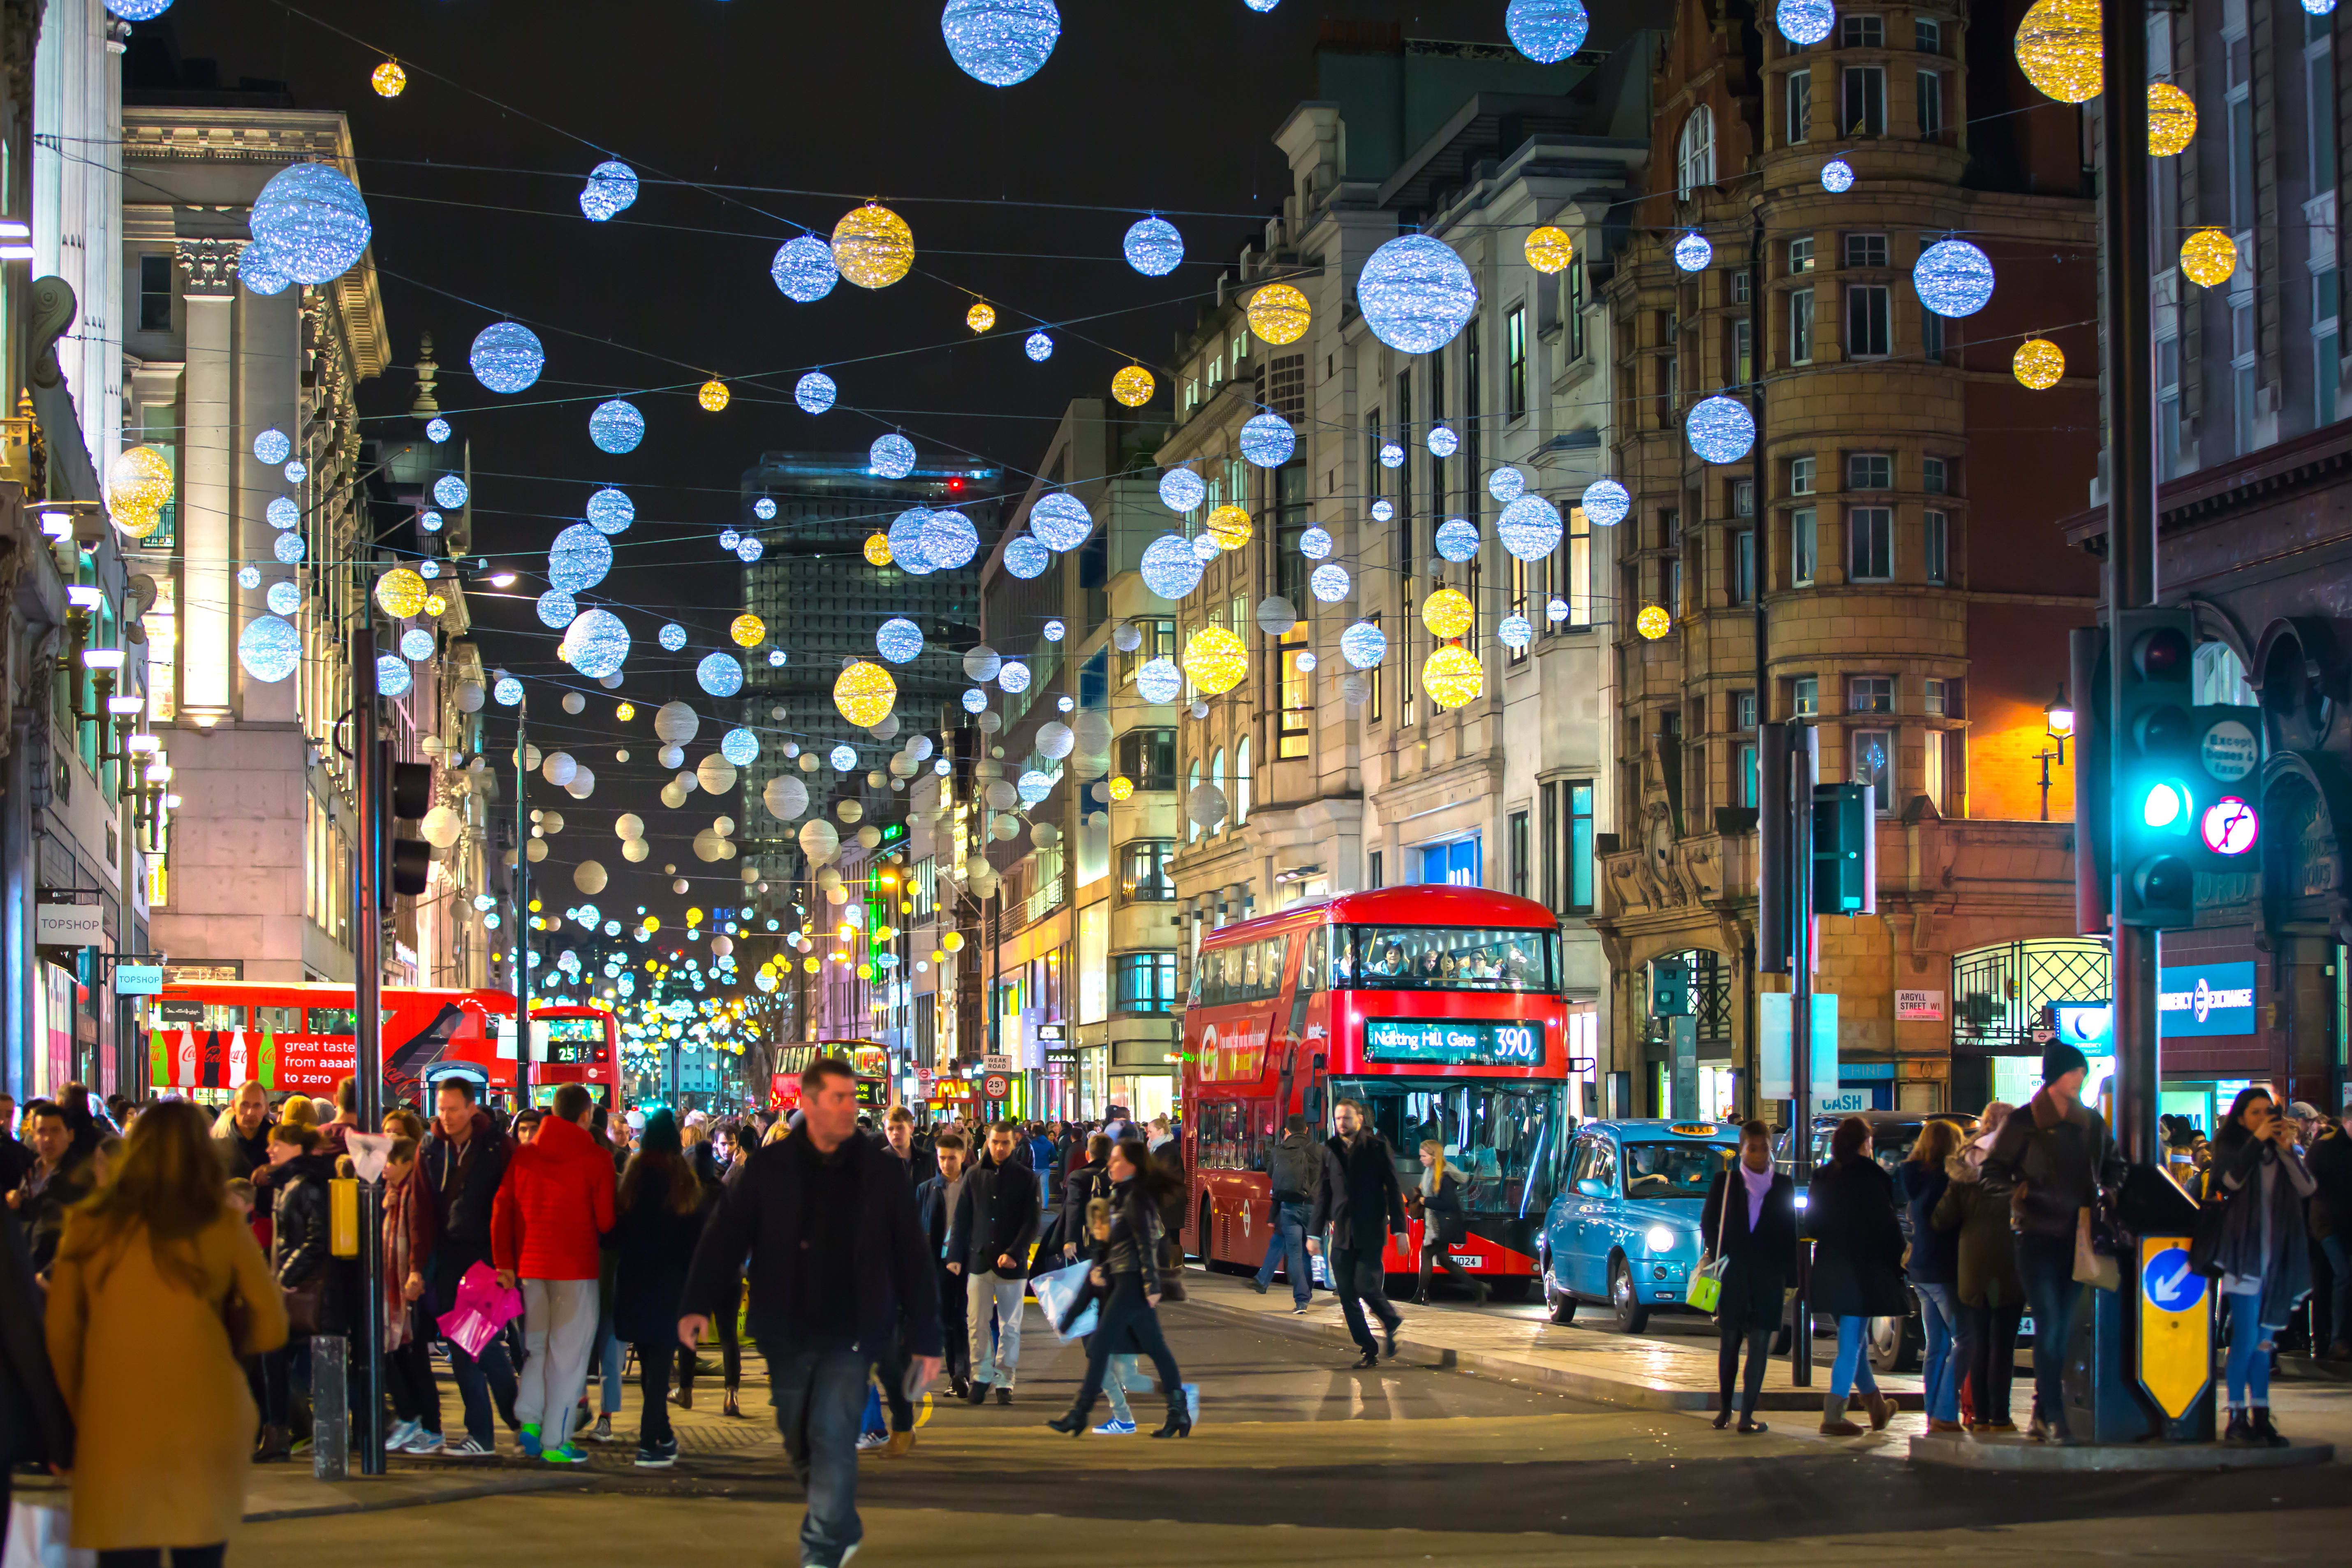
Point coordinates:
[[1647, 1371]]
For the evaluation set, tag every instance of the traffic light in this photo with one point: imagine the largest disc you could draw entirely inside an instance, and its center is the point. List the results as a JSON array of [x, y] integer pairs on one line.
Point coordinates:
[[1669, 990], [404, 863], [1842, 860], [2156, 798]]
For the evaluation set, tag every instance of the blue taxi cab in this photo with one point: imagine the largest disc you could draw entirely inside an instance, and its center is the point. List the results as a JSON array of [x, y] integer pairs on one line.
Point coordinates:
[[1625, 1229]]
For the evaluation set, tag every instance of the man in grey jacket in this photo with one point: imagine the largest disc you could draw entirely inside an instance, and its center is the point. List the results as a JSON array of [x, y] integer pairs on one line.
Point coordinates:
[[1294, 1164]]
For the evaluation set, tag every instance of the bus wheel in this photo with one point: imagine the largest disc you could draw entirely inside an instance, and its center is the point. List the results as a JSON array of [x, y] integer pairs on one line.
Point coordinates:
[[1200, 1240], [1624, 1304]]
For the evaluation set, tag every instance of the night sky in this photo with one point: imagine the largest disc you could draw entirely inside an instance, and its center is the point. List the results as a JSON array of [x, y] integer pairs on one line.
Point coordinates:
[[744, 119]]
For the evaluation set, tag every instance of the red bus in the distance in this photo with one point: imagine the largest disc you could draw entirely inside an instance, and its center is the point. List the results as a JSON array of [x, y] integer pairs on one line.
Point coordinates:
[[1438, 1007], [869, 1060]]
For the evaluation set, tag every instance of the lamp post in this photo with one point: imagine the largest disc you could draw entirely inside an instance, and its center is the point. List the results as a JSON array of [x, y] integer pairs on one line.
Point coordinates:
[[2058, 726]]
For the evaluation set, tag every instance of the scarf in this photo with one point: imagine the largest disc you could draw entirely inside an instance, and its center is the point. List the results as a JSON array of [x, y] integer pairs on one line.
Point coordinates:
[[1759, 1184], [398, 1198]]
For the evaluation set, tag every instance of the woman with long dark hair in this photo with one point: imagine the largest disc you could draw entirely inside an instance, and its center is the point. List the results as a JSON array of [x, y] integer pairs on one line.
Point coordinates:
[[1857, 1267], [2261, 1254], [157, 1289], [660, 1208], [1127, 1275]]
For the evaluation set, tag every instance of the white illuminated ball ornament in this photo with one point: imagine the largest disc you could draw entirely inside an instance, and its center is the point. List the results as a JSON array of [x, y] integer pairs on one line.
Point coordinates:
[[1692, 252], [597, 644], [1158, 680], [764, 508], [803, 269], [616, 426], [269, 649], [392, 675], [1153, 248], [673, 636], [719, 675], [1267, 440], [949, 540], [1719, 429], [748, 549], [1182, 489], [1547, 31], [506, 692], [289, 548], [1363, 644], [310, 222], [1391, 456], [1383, 512], [1530, 528], [283, 598], [1315, 544], [556, 608], [1038, 346], [507, 357], [1169, 566], [579, 558], [1606, 502], [1516, 631], [1953, 277], [437, 431], [1025, 558], [611, 511], [898, 639], [1507, 484], [815, 390], [272, 447], [1442, 441], [416, 644], [1000, 42], [1805, 21], [1061, 521], [611, 187], [282, 513], [1329, 583], [1837, 176], [248, 577], [1457, 539], [892, 456], [1416, 292]]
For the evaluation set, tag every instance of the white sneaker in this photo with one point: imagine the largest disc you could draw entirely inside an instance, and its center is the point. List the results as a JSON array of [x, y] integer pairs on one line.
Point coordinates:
[[1114, 1429], [403, 1433], [869, 1441], [424, 1443]]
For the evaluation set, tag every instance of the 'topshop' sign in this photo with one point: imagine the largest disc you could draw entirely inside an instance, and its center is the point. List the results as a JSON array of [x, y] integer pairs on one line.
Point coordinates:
[[2205, 999]]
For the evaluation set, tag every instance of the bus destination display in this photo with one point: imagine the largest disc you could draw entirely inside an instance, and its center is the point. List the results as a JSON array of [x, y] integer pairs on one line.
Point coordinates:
[[1454, 1042]]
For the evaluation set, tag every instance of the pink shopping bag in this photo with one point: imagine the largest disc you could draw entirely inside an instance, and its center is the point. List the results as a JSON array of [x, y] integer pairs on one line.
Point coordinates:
[[483, 1307]]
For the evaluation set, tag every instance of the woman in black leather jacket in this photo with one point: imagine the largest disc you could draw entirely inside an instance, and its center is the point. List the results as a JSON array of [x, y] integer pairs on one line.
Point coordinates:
[[1127, 1275], [301, 1258]]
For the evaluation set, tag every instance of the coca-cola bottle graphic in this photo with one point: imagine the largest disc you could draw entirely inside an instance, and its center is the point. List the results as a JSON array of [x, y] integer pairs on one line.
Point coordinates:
[[159, 1058], [236, 1059], [266, 1070], [185, 1078]]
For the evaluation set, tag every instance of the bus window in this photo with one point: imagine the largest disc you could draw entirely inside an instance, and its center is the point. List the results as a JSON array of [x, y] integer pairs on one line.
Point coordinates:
[[1229, 1136], [1457, 958], [278, 1020], [334, 1021], [1310, 967]]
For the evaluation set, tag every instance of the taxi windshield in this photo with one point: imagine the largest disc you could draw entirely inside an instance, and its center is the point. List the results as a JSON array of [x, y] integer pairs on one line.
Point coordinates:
[[1671, 1169], [1446, 958]]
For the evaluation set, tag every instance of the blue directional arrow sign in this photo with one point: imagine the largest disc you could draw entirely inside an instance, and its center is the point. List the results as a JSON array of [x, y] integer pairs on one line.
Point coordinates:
[[2172, 1286], [2175, 1325]]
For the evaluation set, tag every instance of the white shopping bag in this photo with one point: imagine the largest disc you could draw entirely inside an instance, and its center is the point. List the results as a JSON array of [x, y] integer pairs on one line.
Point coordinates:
[[38, 1533], [1056, 1291]]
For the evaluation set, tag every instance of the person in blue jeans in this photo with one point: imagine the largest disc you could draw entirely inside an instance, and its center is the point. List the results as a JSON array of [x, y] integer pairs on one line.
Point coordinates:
[[2263, 1254], [1857, 1269], [2051, 1158], [1934, 1268], [464, 1159], [1293, 1162]]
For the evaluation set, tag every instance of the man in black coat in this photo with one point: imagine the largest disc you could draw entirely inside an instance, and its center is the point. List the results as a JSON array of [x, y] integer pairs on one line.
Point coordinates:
[[995, 1225], [464, 1158], [838, 1272], [1360, 1201], [245, 1147], [935, 1204], [35, 1426]]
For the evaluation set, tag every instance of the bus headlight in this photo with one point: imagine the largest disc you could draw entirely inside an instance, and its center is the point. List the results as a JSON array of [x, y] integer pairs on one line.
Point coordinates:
[[1659, 1240]]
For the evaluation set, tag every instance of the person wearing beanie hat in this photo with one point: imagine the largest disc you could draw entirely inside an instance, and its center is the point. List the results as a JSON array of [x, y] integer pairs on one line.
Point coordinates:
[[2051, 1160]]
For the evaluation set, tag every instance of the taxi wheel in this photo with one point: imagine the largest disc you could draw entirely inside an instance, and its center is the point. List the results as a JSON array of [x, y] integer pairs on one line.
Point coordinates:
[[1561, 1304], [1625, 1306]]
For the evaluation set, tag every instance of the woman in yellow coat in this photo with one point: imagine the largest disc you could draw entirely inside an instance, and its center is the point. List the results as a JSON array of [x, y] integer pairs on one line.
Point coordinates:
[[154, 1275]]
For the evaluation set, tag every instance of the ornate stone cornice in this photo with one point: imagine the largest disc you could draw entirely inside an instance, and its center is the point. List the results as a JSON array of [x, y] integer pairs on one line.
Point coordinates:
[[210, 264]]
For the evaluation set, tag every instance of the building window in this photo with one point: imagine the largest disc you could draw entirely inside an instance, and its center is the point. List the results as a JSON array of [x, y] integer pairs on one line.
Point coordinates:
[[2319, 100], [1866, 250], [1739, 287], [1377, 677], [1517, 596], [1743, 497], [1742, 358], [1934, 545], [1800, 106], [1870, 543], [1744, 761], [1143, 981], [1575, 309], [1192, 782], [1800, 326], [1372, 469], [1927, 36], [1868, 334], [1805, 695], [1576, 565], [1515, 362], [1670, 585], [1869, 471], [1743, 567], [1932, 763], [1298, 698], [1694, 152], [1931, 697], [1865, 99], [2324, 339], [1801, 254], [1578, 839], [1861, 33], [1935, 476], [1801, 476], [1802, 556], [1148, 758], [1241, 781], [154, 293], [1159, 642], [1931, 105], [1870, 694], [1873, 766], [1743, 710], [1520, 869], [2236, 56], [1143, 872], [1931, 336]]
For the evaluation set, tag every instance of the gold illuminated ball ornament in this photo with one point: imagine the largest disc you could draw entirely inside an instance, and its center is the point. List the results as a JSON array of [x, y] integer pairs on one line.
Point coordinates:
[[1132, 386], [625, 711], [748, 630], [714, 395], [138, 487], [981, 317], [863, 692], [1229, 525], [1549, 250], [2209, 256], [2038, 365], [1278, 314], [872, 246], [436, 606], [1654, 622], [2058, 50], [2172, 119], [1121, 787], [877, 549], [1452, 676], [1216, 660], [388, 80], [400, 593], [1446, 613]]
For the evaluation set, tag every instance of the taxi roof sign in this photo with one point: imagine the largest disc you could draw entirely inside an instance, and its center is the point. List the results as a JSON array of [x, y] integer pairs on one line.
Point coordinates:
[[1693, 1128]]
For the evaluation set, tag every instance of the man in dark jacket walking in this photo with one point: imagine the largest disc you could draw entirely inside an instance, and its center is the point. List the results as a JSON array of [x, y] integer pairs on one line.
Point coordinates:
[[464, 1160], [994, 1225], [245, 1147], [837, 1267], [2052, 1157], [1294, 1164], [935, 1203], [1360, 1201]]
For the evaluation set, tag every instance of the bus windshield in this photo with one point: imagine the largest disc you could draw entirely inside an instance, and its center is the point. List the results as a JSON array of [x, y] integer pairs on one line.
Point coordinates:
[[1500, 1137], [1671, 1169], [1446, 958]]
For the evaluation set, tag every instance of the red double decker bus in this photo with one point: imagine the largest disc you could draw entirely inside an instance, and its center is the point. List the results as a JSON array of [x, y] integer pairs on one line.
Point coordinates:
[[869, 1060], [205, 1039], [1438, 1008]]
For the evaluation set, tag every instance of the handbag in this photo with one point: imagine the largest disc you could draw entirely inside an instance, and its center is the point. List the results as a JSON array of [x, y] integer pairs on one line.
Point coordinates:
[[1056, 1290], [2092, 1267], [1706, 1282], [302, 1306]]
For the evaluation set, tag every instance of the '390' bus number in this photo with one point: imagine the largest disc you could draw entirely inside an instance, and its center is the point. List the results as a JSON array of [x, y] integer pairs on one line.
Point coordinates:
[[1452, 1042]]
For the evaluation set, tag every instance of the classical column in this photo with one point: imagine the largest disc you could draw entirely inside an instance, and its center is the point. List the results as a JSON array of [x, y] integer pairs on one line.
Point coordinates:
[[207, 483]]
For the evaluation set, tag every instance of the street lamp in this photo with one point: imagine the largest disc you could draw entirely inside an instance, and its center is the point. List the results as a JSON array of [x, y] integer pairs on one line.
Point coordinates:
[[2058, 727]]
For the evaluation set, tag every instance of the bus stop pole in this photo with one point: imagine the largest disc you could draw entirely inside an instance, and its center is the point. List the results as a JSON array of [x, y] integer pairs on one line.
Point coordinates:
[[522, 910], [1801, 1028], [367, 1028]]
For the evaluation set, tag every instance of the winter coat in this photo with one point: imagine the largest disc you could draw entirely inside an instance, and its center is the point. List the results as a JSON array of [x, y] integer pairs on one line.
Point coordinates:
[[44, 1212], [1135, 1237], [2329, 1160], [894, 1284], [554, 1206], [2262, 1233], [995, 1216], [1935, 1254], [1294, 1168], [1763, 1260], [1977, 1218], [1442, 1213], [301, 1246], [1857, 1241], [35, 1428], [2051, 1164], [241, 1156], [1085, 1183], [164, 1418], [653, 1247], [1359, 1196], [408, 1248], [464, 1179]]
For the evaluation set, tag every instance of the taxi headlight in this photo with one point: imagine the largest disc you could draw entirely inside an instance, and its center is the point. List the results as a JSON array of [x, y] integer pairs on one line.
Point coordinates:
[[1659, 1239]]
